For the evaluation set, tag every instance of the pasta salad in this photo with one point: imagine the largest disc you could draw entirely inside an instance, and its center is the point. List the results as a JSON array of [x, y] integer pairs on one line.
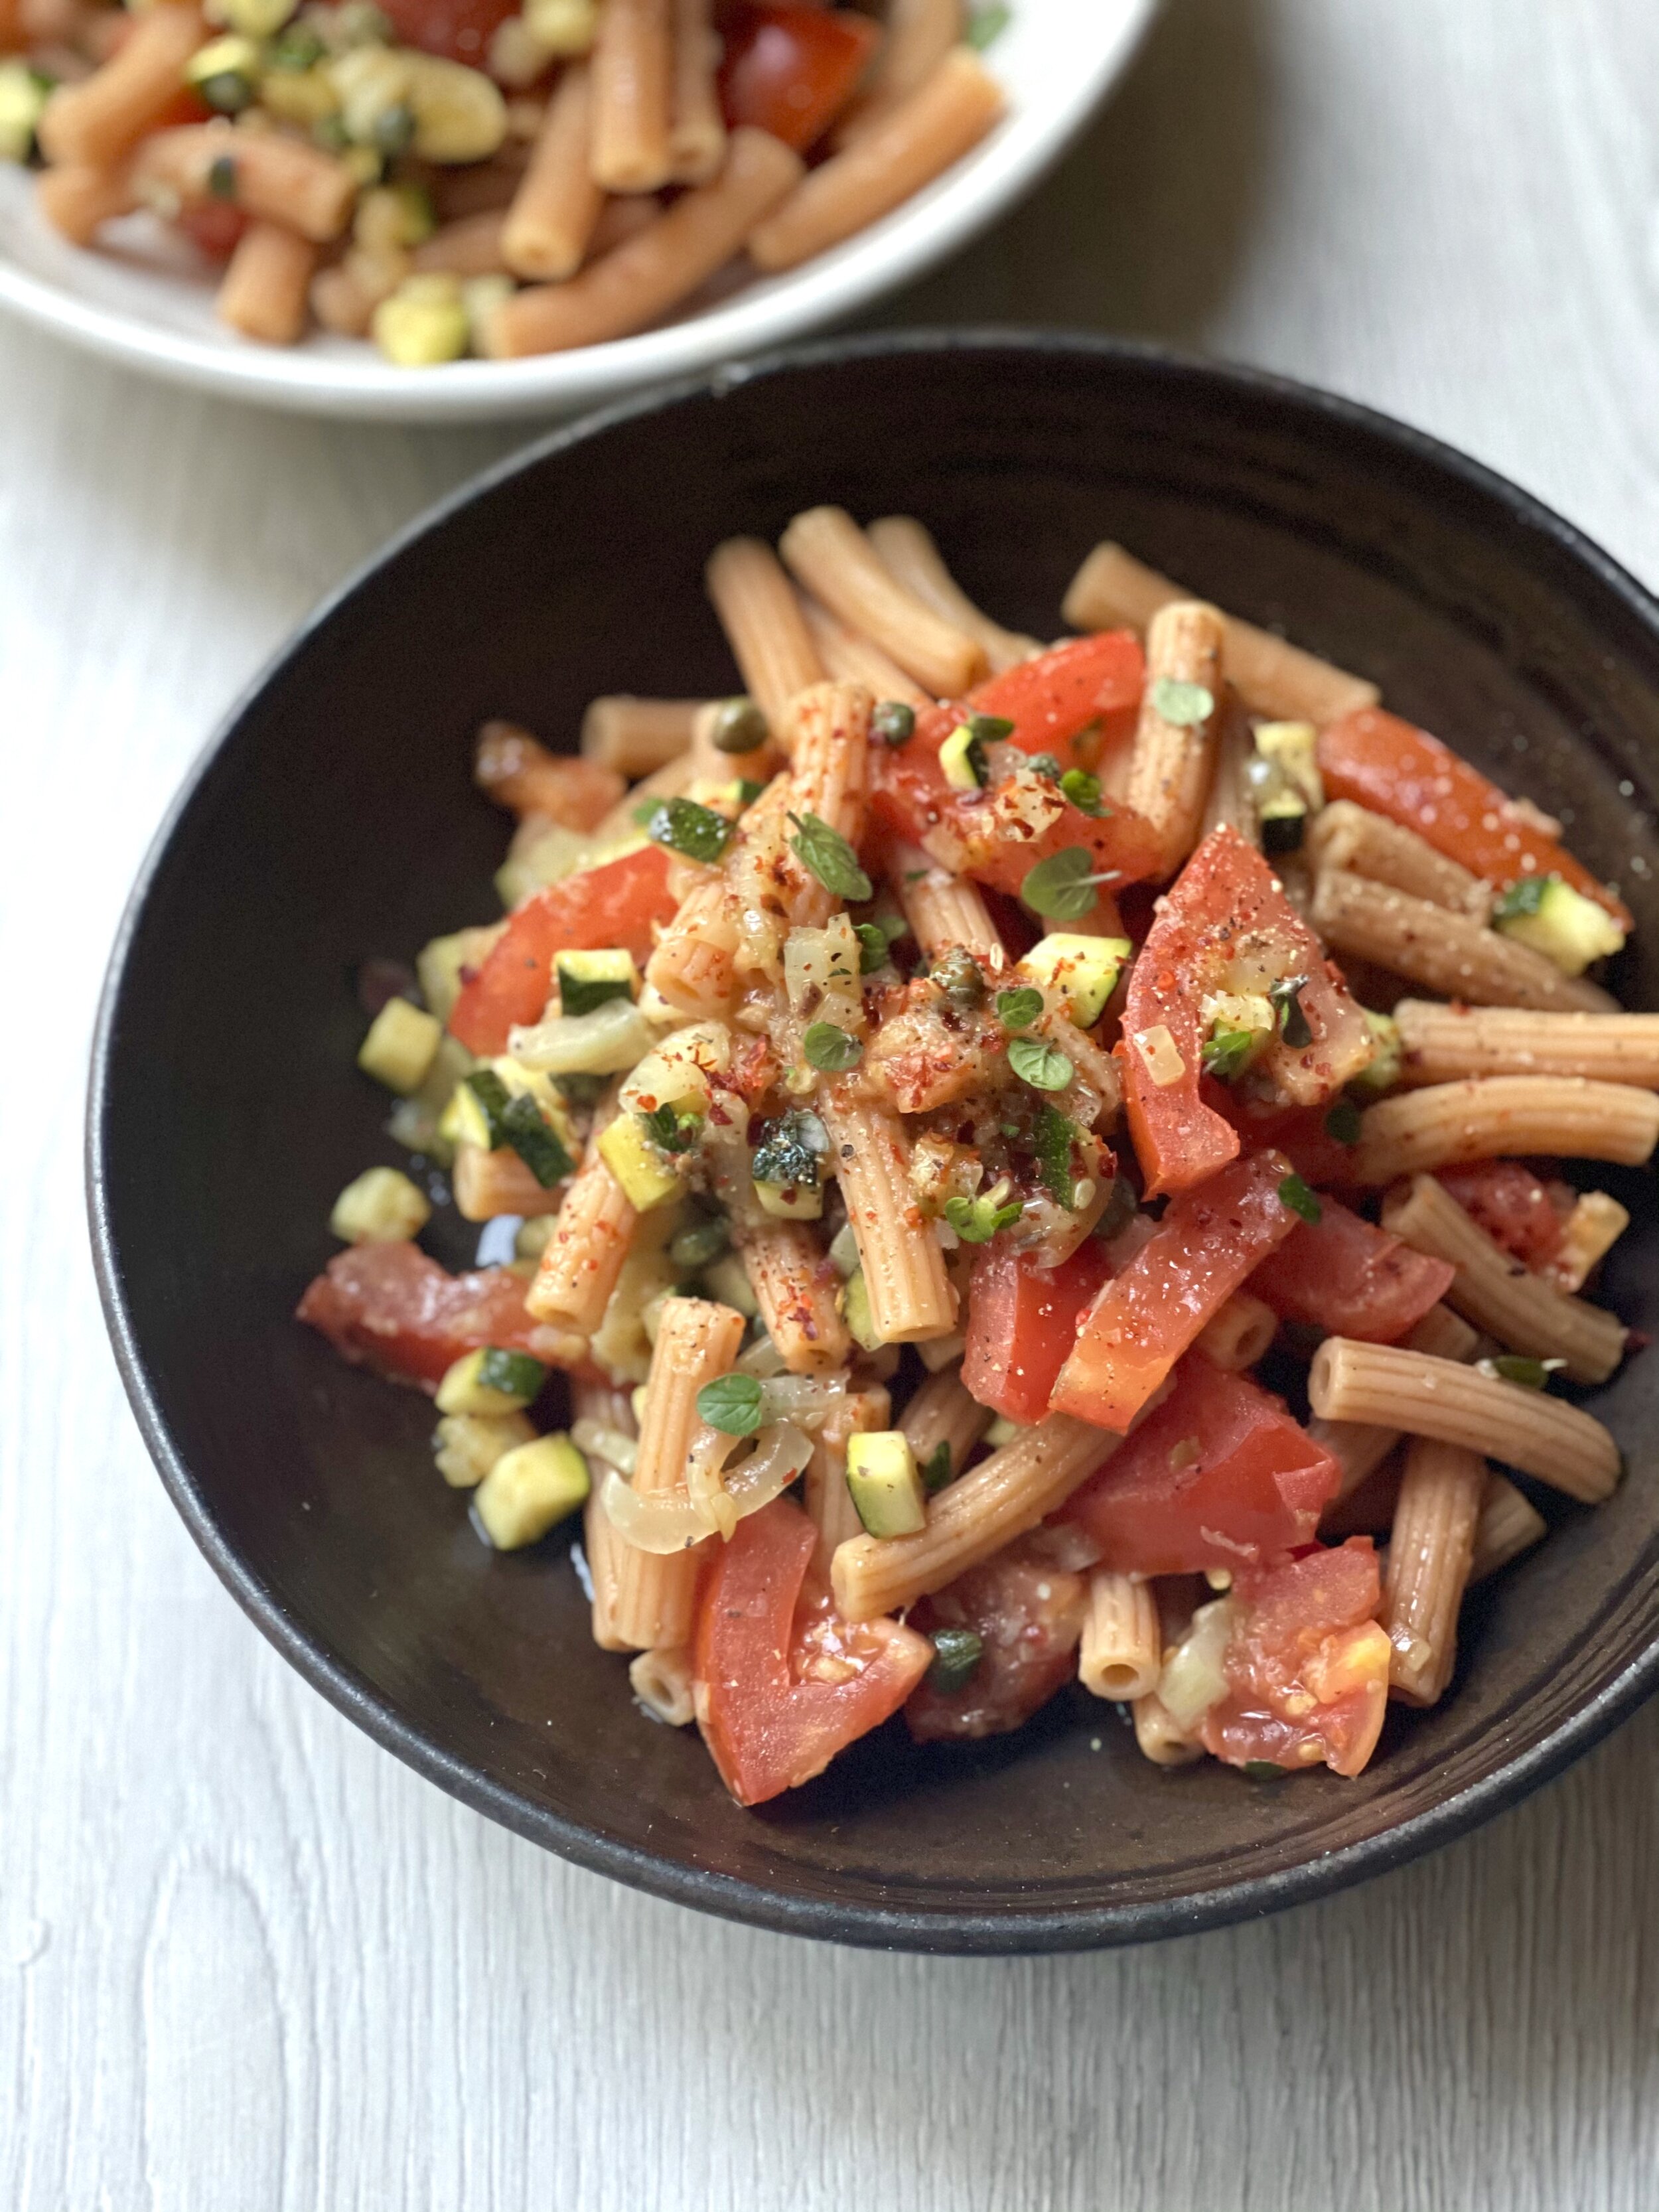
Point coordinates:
[[1008, 1164]]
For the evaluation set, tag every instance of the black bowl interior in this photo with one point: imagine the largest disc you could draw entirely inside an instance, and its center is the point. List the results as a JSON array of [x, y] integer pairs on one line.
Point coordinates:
[[334, 820]]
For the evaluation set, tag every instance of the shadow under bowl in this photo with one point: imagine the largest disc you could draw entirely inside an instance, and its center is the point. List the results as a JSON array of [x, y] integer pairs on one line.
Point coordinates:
[[332, 820]]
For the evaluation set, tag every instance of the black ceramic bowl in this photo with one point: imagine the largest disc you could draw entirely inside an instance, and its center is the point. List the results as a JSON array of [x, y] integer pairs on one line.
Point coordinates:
[[332, 819]]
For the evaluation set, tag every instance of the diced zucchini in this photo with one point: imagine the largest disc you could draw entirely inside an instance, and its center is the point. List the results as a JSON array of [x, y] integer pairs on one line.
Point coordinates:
[[1559, 922], [844, 1251], [418, 1121], [1284, 779], [467, 1445], [490, 1381], [438, 965], [1002, 1431], [401, 1045], [860, 1322], [886, 1489], [473, 1116], [422, 323], [1084, 967], [727, 1279], [702, 1240], [588, 980], [1382, 1071], [529, 1491], [23, 94], [1291, 747], [790, 1201], [648, 1177], [382, 1207], [226, 73], [960, 757], [956, 1655]]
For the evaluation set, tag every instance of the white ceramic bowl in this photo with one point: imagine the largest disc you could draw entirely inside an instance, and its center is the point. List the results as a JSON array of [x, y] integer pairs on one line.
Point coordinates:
[[145, 299]]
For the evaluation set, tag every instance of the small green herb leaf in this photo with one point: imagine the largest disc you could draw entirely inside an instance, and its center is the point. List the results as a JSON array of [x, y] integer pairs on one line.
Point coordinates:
[[669, 1131], [1062, 887], [490, 1092], [1053, 1139], [989, 729], [1522, 898], [976, 1220], [935, 1469], [1295, 1194], [1286, 998], [986, 24], [1044, 764], [1514, 1367], [830, 857], [790, 1151], [1186, 705], [1083, 790], [957, 1653], [830, 1048], [1044, 1066], [1342, 1122], [893, 723], [1018, 1009], [958, 977], [685, 827], [1262, 1770], [731, 1404], [1226, 1051], [514, 1372]]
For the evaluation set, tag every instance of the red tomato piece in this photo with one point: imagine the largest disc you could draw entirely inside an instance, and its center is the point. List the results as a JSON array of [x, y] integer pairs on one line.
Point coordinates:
[[1512, 1205], [393, 1307], [1022, 1322], [1226, 925], [776, 1698], [1351, 1280], [792, 70], [186, 104], [1053, 699], [1208, 1241], [1298, 1132], [1398, 770], [460, 30], [1028, 1616], [213, 226], [1307, 1663], [613, 905], [1218, 1474]]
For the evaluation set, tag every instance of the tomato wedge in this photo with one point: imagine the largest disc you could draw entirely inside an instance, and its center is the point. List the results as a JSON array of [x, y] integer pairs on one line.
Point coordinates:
[[612, 905], [769, 1705], [1141, 1323], [1218, 1474], [1351, 1280], [1053, 699], [393, 1307], [1028, 1616], [1398, 770], [1307, 1664], [459, 30], [792, 70], [1022, 1322], [1299, 1132], [1225, 927], [1512, 1205]]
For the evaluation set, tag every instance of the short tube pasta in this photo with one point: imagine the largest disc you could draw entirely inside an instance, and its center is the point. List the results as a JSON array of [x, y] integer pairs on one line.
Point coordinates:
[[633, 81], [695, 964], [907, 547], [78, 201], [1430, 1551], [1237, 1337], [1441, 1044], [1113, 590], [943, 119], [976, 1517], [548, 226], [1510, 1524], [918, 35], [1439, 949], [1171, 763], [850, 658], [263, 291], [93, 124], [1541, 1436], [696, 129], [910, 1294], [830, 769], [1503, 1116], [1494, 1291], [592, 1237], [796, 1289], [943, 910], [1160, 1736], [828, 552], [1359, 1448], [944, 1412], [636, 736], [1445, 1334], [1229, 800], [661, 1681], [272, 178], [763, 625], [1122, 1654], [1361, 843], [470, 246]]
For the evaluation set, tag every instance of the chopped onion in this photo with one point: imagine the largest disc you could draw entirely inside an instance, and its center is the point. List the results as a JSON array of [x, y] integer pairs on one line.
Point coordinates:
[[806, 1399], [1194, 1675], [1161, 1055], [670, 1520], [614, 1037], [663, 1523], [762, 1359], [783, 1452], [612, 1445], [681, 1068]]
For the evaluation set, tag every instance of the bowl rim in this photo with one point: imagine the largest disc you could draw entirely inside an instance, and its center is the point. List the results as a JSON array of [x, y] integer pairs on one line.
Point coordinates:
[[897, 249], [996, 1929]]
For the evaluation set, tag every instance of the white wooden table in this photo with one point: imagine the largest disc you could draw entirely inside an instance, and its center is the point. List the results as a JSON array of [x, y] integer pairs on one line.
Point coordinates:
[[245, 1959]]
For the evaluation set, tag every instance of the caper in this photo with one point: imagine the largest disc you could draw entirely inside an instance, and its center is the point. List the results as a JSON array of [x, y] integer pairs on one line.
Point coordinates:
[[893, 723], [699, 1243], [957, 975], [737, 726]]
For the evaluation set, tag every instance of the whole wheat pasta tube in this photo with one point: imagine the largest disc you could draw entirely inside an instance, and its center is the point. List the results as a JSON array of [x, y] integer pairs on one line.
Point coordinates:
[[1353, 838], [547, 228], [795, 1287], [990, 1506], [763, 624], [918, 35], [828, 552], [1593, 1228], [583, 1255], [827, 1498], [1367, 1509], [662, 264], [1528, 1429], [1122, 1655], [1499, 1117], [943, 119], [1509, 1525], [486, 1184], [1360, 1447], [696, 129], [633, 78], [93, 124], [696, 1340], [910, 1294], [695, 962], [1430, 1549], [1112, 589], [1159, 1735], [1230, 801], [829, 770], [1497, 1293], [906, 547], [1171, 763], [1444, 1336], [77, 201], [602, 1546], [1442, 950], [620, 219], [661, 1681], [1237, 1337], [943, 1413], [469, 248], [850, 657], [943, 909], [636, 736], [1441, 1043], [263, 290], [272, 178]]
